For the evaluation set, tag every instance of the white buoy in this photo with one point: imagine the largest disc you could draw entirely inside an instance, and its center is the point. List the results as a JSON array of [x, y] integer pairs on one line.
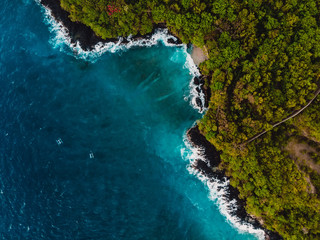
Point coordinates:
[[91, 155]]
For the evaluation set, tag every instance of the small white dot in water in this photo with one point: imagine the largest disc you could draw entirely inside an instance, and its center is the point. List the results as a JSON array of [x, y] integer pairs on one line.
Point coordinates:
[[59, 141]]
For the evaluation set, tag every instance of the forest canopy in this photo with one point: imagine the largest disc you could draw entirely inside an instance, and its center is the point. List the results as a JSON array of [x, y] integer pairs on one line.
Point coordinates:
[[263, 66]]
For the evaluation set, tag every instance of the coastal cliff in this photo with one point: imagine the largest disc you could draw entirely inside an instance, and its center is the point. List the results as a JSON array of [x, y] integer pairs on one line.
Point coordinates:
[[77, 31], [209, 167], [255, 76], [85, 36]]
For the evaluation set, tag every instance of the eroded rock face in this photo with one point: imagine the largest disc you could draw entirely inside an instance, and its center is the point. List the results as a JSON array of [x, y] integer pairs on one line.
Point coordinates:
[[86, 37], [208, 168], [77, 31], [211, 154]]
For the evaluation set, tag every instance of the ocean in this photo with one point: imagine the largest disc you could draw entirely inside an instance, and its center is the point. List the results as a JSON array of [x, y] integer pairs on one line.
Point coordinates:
[[93, 146]]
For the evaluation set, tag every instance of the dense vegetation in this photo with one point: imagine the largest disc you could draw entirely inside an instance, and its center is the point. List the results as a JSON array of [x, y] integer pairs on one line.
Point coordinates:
[[264, 64]]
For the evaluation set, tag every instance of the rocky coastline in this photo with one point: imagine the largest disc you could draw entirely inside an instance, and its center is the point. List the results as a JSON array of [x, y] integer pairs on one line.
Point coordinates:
[[209, 168], [87, 39], [199, 82]]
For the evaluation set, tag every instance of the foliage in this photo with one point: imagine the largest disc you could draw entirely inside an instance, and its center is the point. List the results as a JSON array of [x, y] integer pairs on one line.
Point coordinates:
[[274, 188], [309, 121], [263, 65]]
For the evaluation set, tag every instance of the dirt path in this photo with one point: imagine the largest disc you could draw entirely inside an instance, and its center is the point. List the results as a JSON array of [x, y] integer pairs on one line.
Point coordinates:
[[284, 120]]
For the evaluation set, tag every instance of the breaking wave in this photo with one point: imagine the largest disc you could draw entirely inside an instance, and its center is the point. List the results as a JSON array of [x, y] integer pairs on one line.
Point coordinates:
[[61, 40], [217, 187], [218, 191], [195, 90]]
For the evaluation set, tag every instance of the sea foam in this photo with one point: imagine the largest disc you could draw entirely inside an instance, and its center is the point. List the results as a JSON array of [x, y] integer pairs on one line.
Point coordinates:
[[62, 41], [218, 191], [194, 94]]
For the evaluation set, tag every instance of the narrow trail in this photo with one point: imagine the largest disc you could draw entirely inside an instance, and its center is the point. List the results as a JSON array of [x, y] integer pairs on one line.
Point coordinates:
[[284, 120]]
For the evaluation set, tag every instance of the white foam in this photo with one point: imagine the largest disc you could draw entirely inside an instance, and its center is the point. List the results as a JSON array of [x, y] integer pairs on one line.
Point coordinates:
[[194, 94], [62, 40], [60, 32], [217, 188], [218, 191], [191, 65]]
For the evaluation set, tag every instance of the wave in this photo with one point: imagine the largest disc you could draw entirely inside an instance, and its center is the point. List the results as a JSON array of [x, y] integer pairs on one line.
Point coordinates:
[[62, 40], [217, 187], [194, 93], [218, 191]]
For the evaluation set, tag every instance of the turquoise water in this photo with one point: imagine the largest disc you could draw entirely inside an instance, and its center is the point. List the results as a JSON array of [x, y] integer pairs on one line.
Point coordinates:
[[127, 110]]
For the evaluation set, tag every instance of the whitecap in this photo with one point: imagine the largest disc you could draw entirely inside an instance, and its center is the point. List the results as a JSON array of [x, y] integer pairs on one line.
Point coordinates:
[[62, 41], [218, 191], [194, 94]]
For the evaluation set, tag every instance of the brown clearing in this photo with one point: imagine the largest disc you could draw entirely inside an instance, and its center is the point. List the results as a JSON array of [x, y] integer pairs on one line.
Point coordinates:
[[198, 55], [299, 152]]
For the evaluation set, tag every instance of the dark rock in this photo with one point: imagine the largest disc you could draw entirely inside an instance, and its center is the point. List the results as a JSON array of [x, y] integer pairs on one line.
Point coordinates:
[[212, 156], [176, 41], [196, 80], [85, 35], [203, 168], [77, 31], [207, 95], [125, 41], [199, 102], [201, 80], [210, 152], [87, 39]]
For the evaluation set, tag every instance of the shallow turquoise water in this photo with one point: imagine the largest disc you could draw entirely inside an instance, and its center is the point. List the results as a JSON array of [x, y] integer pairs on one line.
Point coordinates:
[[128, 109]]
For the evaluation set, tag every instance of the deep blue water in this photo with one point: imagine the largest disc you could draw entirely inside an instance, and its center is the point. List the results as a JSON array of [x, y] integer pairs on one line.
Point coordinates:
[[127, 109]]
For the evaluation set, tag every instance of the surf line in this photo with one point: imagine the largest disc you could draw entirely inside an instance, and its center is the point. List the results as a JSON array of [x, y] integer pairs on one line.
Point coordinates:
[[62, 40], [204, 160], [200, 164]]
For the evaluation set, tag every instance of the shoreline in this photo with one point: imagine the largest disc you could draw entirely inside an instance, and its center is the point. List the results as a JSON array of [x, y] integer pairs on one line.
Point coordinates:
[[86, 37], [83, 37], [198, 55], [208, 167], [87, 40]]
